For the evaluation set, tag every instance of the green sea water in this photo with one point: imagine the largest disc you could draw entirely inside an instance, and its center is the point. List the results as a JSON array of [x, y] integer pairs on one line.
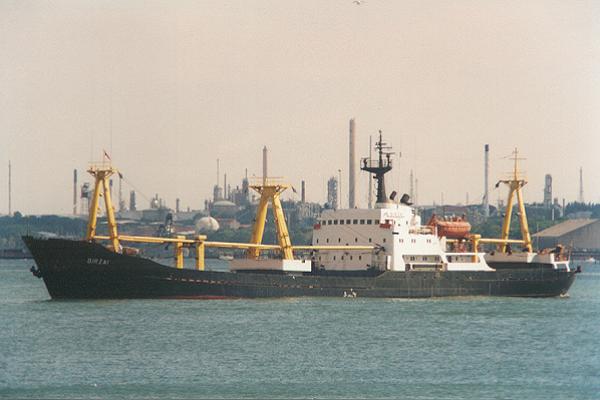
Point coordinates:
[[313, 348]]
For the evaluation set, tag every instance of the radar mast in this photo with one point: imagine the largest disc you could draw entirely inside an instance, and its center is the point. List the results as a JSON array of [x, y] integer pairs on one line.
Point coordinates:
[[379, 167]]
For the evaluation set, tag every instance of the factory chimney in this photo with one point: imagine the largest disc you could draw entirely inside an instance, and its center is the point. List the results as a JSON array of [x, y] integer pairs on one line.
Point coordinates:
[[218, 180], [303, 192], [412, 186], [225, 194], [486, 185], [132, 205], [265, 165], [9, 189], [352, 165], [416, 199], [177, 203], [548, 191], [74, 192], [370, 198], [581, 185]]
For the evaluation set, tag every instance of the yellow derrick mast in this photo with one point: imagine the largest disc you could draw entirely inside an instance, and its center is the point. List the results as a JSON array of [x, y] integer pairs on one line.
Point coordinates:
[[101, 174], [515, 183], [270, 191]]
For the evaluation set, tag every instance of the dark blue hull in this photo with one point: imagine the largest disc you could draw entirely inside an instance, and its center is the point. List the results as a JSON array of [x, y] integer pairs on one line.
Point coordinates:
[[81, 270]]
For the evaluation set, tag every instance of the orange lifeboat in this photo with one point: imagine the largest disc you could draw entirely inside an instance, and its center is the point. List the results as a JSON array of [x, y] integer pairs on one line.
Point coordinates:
[[452, 228]]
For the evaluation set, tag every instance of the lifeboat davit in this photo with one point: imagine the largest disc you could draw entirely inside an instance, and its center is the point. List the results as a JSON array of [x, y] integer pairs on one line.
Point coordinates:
[[452, 228]]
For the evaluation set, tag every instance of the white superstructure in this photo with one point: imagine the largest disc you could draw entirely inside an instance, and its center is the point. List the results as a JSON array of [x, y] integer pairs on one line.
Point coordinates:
[[400, 242]]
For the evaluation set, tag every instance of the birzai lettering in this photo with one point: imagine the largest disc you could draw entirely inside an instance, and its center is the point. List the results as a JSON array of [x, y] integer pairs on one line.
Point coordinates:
[[97, 261]]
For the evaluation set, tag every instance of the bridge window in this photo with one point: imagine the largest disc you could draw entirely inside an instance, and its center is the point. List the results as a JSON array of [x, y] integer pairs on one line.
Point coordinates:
[[362, 221], [376, 222], [369, 222], [335, 221], [401, 240], [341, 222], [347, 222], [355, 221]]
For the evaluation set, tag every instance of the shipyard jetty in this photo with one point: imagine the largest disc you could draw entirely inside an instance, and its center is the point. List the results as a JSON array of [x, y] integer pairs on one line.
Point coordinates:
[[381, 252]]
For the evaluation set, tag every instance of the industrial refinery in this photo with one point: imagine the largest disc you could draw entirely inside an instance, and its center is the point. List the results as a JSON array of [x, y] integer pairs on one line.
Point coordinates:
[[232, 206]]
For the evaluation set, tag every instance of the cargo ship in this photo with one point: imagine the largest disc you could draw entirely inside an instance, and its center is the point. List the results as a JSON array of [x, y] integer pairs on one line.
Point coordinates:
[[380, 252]]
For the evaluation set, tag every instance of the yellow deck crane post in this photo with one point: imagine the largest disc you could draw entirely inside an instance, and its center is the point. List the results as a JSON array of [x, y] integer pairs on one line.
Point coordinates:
[[101, 174], [270, 191], [515, 184]]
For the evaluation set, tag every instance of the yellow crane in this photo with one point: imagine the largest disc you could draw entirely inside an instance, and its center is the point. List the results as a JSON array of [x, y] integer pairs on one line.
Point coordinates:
[[515, 183]]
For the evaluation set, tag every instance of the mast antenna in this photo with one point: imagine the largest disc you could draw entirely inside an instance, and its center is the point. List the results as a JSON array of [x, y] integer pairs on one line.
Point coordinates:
[[379, 167]]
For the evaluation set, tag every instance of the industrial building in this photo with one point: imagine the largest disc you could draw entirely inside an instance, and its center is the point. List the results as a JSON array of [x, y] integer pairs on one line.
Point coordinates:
[[578, 234]]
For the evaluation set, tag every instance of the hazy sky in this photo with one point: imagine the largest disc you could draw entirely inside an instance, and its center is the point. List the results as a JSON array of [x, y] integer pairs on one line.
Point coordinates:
[[182, 83]]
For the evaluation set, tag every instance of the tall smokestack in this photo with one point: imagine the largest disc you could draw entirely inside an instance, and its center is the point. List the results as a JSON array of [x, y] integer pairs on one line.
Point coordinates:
[[9, 189], [265, 165], [121, 201], [370, 198], [177, 203], [352, 165], [74, 192], [225, 194], [548, 191], [416, 199], [218, 176], [132, 205], [303, 192], [412, 186], [581, 200], [339, 189], [486, 185]]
